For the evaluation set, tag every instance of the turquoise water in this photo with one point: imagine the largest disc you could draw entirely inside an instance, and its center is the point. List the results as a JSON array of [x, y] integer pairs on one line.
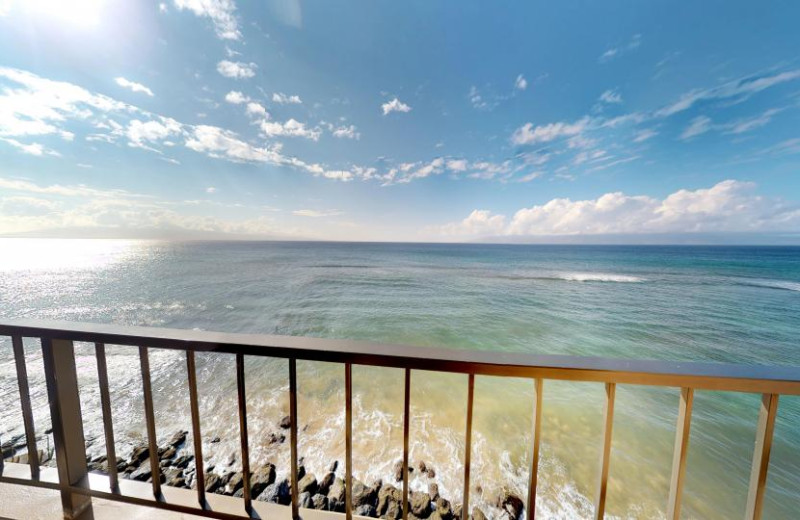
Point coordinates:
[[732, 304]]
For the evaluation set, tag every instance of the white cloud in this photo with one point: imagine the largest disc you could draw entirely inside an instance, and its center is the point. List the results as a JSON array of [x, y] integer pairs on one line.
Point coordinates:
[[394, 105], [698, 126], [729, 206], [291, 128], [235, 97], [611, 97], [479, 223], [345, 132], [132, 85], [615, 52], [457, 165], [30, 149], [220, 143], [283, 99], [142, 134], [528, 134], [529, 177], [236, 69], [316, 213], [644, 135], [221, 13], [211, 189], [256, 110], [520, 83], [741, 126], [740, 88]]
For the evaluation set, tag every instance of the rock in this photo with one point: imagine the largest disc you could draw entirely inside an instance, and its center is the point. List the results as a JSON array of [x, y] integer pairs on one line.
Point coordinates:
[[307, 484], [398, 471], [326, 483], [335, 505], [278, 493], [183, 461], [431, 472], [213, 482], [422, 466], [276, 438], [263, 477], [443, 509], [235, 483], [305, 500], [510, 503], [139, 454], [286, 423], [363, 495], [457, 509], [387, 496], [433, 491], [366, 510], [168, 453], [394, 511], [215, 440], [337, 491], [177, 438], [420, 504], [143, 473], [301, 472], [239, 493], [477, 514], [334, 466], [319, 501]]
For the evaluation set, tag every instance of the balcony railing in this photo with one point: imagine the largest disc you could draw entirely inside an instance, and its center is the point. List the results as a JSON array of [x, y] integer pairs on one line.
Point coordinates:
[[77, 487]]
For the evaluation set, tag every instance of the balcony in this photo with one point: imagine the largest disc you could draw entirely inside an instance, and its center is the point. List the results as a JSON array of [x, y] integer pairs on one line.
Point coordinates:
[[77, 487]]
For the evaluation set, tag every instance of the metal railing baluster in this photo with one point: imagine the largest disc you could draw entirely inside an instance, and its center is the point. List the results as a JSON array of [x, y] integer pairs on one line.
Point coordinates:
[[108, 425], [468, 445], [240, 385], [150, 419], [293, 430], [682, 431], [758, 476], [348, 455], [608, 421], [537, 430], [406, 428], [27, 410], [199, 478]]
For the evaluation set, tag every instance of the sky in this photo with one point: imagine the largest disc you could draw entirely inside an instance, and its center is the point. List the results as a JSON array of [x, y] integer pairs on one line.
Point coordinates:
[[400, 121]]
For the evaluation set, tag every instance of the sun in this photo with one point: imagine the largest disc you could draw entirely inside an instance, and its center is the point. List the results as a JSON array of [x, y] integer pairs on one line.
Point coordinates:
[[79, 13]]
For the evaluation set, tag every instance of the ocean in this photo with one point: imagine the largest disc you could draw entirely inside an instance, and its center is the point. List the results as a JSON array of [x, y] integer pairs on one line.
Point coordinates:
[[725, 304]]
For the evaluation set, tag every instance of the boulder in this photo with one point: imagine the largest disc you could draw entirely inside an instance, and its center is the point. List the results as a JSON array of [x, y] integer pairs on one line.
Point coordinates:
[[319, 501], [213, 482], [420, 504], [335, 505], [363, 495], [235, 483], [433, 491], [442, 509], [337, 491], [263, 477], [326, 483], [510, 503], [422, 466], [398, 471], [388, 496], [168, 453], [183, 461], [305, 500], [139, 454], [308, 484], [286, 423], [143, 473], [334, 465], [366, 510], [177, 438], [278, 493]]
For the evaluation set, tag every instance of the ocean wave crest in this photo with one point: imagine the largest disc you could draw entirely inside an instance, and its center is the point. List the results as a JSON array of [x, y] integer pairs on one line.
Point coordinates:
[[600, 277], [785, 285]]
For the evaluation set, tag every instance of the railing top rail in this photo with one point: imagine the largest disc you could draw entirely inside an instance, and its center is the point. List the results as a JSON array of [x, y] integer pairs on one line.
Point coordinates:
[[708, 376]]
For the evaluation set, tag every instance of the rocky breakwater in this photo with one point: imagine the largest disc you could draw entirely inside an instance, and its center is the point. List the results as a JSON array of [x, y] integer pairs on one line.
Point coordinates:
[[377, 499]]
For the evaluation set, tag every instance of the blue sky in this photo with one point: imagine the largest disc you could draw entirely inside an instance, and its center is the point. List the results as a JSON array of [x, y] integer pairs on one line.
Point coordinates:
[[377, 120]]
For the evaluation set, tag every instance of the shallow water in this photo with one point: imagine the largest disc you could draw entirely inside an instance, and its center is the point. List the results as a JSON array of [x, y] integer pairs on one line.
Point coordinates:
[[687, 303]]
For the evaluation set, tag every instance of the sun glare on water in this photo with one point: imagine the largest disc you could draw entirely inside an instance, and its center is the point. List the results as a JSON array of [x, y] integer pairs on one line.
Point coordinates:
[[34, 254]]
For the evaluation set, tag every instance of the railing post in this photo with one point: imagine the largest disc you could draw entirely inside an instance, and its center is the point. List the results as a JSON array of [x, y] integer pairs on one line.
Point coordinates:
[[758, 475], [608, 422], [65, 412], [682, 431]]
